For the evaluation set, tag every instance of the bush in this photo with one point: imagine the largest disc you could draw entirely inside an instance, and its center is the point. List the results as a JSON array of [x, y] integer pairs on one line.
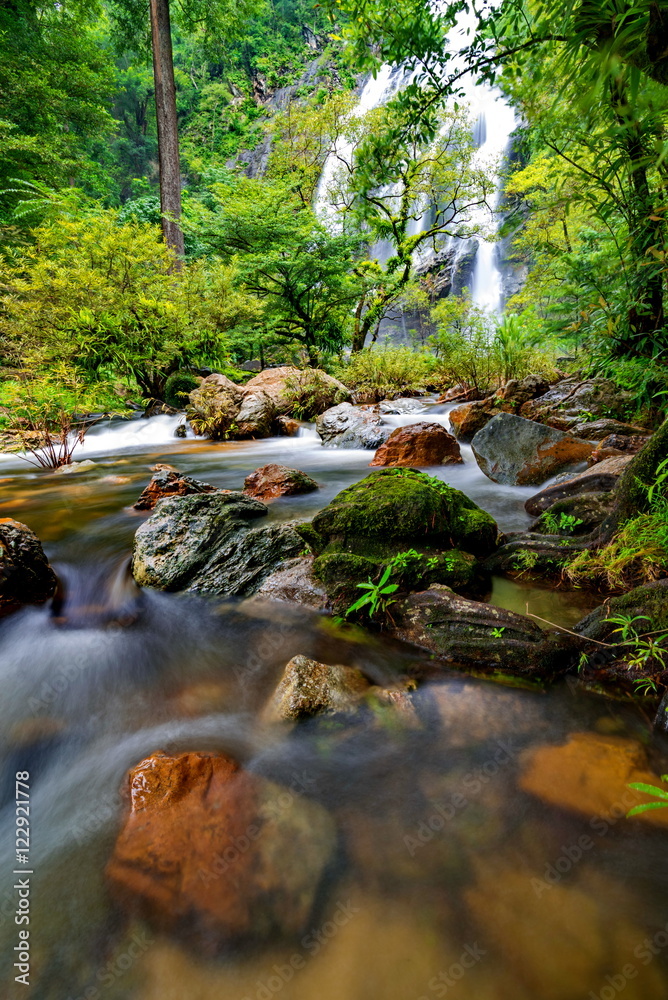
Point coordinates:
[[309, 395], [387, 371], [177, 389]]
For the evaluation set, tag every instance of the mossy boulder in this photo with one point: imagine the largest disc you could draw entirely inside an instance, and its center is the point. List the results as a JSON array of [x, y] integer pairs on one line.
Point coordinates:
[[393, 509]]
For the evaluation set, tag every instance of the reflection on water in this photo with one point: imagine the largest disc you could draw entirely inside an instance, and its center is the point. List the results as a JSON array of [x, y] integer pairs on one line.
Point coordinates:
[[453, 879]]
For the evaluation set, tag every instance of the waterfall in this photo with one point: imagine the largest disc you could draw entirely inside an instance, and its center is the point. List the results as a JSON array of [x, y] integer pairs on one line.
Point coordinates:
[[494, 124]]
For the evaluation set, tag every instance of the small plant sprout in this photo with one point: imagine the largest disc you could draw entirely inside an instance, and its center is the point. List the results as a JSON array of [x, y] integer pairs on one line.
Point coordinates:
[[659, 793], [377, 596], [497, 632]]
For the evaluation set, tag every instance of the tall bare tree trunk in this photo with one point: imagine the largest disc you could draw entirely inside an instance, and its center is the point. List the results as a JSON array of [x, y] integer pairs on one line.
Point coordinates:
[[168, 135]]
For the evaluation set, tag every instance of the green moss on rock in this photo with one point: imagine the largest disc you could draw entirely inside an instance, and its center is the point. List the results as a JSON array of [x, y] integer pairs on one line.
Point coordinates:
[[395, 506]]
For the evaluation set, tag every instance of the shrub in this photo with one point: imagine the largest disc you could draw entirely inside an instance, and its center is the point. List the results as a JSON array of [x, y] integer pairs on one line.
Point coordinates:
[[178, 387], [309, 394], [387, 371]]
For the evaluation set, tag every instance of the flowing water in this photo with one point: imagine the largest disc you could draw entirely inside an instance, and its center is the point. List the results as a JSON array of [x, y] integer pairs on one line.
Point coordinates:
[[452, 878]]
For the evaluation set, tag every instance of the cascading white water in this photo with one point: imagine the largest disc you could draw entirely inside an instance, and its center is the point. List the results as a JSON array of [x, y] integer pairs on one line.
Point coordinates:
[[495, 123]]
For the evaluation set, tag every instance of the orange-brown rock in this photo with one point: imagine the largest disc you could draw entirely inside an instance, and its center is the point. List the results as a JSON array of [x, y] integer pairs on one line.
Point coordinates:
[[170, 484], [271, 481], [418, 446], [216, 851], [590, 775], [287, 426], [468, 419]]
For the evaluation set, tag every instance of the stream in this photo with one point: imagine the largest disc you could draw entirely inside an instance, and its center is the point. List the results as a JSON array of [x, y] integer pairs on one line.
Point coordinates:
[[454, 879]]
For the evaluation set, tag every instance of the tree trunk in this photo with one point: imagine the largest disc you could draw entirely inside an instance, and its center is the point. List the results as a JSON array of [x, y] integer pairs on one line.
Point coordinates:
[[168, 136]]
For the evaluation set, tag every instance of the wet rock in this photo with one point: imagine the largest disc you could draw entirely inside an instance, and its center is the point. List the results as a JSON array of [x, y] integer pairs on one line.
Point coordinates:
[[295, 583], [209, 544], [599, 430], [400, 507], [650, 601], [563, 406], [590, 775], [214, 405], [470, 418], [459, 394], [309, 688], [600, 479], [217, 852], [271, 481], [418, 445], [170, 484], [158, 408], [282, 384], [256, 417], [348, 426], [617, 445], [468, 634], [588, 509], [519, 452], [520, 391], [465, 633], [287, 426], [25, 574]]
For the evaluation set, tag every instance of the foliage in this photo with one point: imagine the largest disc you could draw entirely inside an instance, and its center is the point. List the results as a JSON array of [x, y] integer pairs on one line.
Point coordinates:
[[564, 524], [476, 351], [101, 295], [384, 372], [309, 394], [659, 793], [178, 387], [376, 597]]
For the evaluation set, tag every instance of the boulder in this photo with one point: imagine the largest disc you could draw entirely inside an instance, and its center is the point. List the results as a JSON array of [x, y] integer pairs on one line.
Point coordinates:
[[218, 852], [601, 478], [256, 416], [287, 426], [209, 544], [284, 383], [393, 509], [25, 574], [590, 775], [310, 688], [214, 406], [616, 445], [348, 426], [564, 404], [471, 635], [468, 419], [518, 452], [598, 430], [519, 391], [589, 509], [295, 583], [170, 484], [272, 481], [418, 445]]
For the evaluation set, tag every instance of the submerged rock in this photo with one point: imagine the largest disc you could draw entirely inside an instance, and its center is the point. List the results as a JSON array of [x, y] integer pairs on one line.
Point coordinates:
[[25, 574], [309, 688], [519, 452], [209, 544], [166, 483], [273, 481], [418, 445], [348, 426], [590, 775], [217, 852]]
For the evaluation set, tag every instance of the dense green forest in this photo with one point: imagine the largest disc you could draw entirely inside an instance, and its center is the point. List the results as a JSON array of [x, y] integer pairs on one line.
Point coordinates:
[[98, 308]]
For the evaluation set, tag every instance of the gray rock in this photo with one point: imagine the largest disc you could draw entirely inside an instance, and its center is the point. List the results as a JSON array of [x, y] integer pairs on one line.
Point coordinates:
[[566, 402], [402, 405], [294, 582], [25, 574], [256, 416], [519, 452], [209, 544], [348, 426]]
